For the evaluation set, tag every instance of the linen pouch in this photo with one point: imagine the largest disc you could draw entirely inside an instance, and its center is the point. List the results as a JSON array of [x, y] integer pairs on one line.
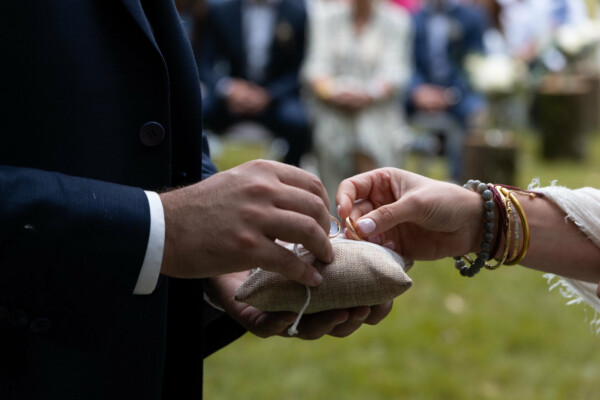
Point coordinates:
[[362, 274]]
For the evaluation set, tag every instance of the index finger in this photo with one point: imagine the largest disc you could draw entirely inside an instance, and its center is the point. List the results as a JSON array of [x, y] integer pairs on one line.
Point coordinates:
[[352, 189], [299, 178]]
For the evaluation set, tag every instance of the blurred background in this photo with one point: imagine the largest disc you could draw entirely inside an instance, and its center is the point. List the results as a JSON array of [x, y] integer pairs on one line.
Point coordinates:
[[498, 90]]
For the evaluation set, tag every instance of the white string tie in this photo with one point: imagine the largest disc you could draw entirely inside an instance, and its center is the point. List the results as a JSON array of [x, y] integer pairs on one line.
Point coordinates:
[[293, 331]]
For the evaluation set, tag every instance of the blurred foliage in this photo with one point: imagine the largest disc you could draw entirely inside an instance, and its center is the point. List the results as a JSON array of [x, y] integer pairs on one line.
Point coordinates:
[[500, 335]]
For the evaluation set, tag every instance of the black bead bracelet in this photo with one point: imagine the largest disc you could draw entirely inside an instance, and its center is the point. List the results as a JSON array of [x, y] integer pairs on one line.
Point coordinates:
[[488, 228]]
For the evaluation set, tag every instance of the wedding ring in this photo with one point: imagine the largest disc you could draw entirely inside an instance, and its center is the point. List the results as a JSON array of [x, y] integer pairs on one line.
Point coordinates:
[[353, 228], [339, 228]]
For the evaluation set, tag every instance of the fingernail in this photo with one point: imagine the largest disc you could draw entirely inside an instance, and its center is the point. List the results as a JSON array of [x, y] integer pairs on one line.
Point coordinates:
[[366, 225], [316, 279], [338, 209], [375, 239], [390, 245]]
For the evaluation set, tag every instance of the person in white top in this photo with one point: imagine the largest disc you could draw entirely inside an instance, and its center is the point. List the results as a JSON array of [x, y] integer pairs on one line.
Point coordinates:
[[357, 67]]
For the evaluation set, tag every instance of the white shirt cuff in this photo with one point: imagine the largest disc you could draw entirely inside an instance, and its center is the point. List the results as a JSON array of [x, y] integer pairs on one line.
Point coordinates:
[[150, 271]]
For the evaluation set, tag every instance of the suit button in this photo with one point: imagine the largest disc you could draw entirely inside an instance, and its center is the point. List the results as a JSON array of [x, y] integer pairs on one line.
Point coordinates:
[[30, 228], [40, 325], [152, 134], [18, 319], [3, 313]]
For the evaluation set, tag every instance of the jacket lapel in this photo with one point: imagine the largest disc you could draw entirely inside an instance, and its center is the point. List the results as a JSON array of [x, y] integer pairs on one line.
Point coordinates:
[[137, 13], [237, 29]]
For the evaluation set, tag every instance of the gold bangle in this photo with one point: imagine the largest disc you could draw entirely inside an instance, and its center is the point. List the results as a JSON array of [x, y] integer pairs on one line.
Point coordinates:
[[515, 217], [509, 213], [525, 225]]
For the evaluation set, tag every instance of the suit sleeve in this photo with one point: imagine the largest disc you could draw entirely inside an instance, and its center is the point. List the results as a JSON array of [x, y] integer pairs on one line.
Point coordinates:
[[208, 167], [71, 250]]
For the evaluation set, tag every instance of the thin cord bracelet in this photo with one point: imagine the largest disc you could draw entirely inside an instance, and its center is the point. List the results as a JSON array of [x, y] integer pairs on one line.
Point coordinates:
[[501, 229]]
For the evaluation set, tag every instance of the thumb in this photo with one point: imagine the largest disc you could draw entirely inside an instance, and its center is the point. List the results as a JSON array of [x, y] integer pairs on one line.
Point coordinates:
[[384, 218]]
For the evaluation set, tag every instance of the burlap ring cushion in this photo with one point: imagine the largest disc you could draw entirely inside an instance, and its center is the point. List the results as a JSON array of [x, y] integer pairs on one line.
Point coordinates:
[[362, 274]]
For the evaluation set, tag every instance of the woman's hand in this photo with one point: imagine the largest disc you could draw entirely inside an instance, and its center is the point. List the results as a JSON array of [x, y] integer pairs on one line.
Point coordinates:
[[350, 101], [421, 218]]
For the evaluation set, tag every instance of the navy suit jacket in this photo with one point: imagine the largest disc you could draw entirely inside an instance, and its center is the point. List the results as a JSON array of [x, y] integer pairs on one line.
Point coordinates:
[[466, 36], [223, 44], [78, 82]]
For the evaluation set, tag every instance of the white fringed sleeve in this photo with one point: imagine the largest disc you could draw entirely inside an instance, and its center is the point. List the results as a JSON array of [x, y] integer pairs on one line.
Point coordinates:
[[582, 206]]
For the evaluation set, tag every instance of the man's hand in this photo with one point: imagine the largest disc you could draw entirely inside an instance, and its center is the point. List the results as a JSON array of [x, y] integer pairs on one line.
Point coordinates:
[[246, 98], [339, 323], [228, 223], [430, 98]]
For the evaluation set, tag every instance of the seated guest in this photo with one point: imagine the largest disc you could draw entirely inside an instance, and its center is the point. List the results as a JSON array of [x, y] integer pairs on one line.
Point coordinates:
[[357, 66], [445, 34], [522, 28], [249, 61]]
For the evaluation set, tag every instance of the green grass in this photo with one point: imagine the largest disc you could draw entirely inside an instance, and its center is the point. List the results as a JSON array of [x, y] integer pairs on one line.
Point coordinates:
[[501, 335]]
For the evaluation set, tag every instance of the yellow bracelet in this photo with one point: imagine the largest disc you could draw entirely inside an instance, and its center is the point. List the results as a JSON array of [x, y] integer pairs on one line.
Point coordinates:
[[525, 225]]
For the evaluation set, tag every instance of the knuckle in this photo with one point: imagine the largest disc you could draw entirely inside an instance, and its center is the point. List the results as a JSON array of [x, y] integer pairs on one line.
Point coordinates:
[[386, 212], [246, 240], [262, 164], [316, 203], [250, 214], [260, 188], [312, 229], [315, 184]]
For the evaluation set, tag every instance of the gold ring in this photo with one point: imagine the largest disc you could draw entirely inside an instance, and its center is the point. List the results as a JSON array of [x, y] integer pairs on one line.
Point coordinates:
[[353, 228], [339, 228]]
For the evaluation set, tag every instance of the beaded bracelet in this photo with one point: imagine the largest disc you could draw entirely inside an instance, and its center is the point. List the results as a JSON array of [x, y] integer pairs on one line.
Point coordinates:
[[486, 245]]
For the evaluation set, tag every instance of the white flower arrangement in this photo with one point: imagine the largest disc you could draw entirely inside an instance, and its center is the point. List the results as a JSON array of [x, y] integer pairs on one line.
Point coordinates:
[[495, 73], [572, 40]]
